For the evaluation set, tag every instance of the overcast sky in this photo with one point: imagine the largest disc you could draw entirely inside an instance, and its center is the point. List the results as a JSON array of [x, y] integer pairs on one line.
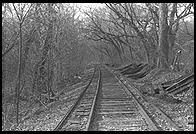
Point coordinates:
[[84, 5], [96, 5]]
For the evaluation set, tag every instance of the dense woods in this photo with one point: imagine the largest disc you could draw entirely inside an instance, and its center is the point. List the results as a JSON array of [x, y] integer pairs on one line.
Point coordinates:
[[46, 46]]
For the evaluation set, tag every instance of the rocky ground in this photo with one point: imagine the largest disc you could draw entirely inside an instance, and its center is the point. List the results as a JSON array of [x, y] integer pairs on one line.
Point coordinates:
[[39, 118], [36, 117], [179, 107]]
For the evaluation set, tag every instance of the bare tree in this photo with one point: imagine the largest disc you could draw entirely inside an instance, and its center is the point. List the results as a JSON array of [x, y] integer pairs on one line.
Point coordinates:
[[123, 23], [169, 25], [164, 46], [21, 15]]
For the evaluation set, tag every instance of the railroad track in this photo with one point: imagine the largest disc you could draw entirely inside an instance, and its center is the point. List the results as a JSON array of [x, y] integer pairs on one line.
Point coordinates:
[[159, 117], [117, 110], [112, 105], [78, 116]]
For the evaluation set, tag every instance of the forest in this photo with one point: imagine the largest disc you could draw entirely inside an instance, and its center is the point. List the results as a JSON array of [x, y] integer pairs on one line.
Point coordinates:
[[48, 47]]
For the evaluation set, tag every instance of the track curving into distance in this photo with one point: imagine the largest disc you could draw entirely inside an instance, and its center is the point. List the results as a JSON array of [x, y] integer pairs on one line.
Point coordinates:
[[111, 104]]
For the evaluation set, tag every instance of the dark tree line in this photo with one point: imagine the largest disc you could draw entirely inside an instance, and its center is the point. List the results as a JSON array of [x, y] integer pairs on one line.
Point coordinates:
[[42, 48], [149, 28]]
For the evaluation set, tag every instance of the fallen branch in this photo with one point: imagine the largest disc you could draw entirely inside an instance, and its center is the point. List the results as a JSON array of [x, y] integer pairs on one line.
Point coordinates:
[[40, 101]]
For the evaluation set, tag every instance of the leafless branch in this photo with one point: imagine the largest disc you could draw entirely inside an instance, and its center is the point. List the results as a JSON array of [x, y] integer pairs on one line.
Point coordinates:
[[17, 13]]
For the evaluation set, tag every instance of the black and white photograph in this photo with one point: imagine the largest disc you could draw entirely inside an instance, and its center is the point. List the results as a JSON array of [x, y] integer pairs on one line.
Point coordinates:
[[98, 66]]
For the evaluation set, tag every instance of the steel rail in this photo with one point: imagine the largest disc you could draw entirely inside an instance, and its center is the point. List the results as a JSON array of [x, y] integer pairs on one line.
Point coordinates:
[[172, 123], [171, 82], [142, 110], [64, 120], [181, 86], [185, 88], [174, 86], [124, 67], [92, 112]]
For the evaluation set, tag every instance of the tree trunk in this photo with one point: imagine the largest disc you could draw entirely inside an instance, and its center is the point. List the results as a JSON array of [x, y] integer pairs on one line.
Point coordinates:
[[19, 75], [163, 37], [50, 74], [172, 34], [151, 52], [3, 73], [171, 41], [3, 60]]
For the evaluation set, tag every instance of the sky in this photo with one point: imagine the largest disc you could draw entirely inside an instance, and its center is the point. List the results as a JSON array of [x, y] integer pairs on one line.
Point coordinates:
[[84, 5], [96, 5]]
